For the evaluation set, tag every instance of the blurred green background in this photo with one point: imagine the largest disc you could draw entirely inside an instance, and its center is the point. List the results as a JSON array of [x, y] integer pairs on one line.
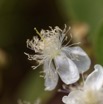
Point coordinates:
[[17, 21]]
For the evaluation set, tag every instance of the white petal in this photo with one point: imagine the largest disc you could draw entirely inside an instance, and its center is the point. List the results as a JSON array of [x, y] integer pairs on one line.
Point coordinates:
[[73, 98], [95, 79], [51, 77], [66, 69], [79, 57]]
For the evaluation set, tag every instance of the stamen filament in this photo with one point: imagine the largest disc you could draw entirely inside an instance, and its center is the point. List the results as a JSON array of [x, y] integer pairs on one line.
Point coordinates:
[[75, 44], [38, 33], [69, 40], [82, 78]]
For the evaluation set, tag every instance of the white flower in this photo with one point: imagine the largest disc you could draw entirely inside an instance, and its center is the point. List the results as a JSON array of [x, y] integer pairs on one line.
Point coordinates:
[[92, 91], [37, 101], [65, 61]]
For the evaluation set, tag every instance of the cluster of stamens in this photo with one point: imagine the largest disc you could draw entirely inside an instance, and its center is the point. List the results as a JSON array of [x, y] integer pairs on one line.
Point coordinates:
[[47, 45]]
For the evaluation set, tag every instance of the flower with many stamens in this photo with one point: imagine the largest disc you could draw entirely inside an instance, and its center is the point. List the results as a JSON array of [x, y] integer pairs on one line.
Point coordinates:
[[91, 92], [65, 61]]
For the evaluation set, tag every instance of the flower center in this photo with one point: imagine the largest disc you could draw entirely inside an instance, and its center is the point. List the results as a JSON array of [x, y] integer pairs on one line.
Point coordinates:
[[90, 97], [51, 47]]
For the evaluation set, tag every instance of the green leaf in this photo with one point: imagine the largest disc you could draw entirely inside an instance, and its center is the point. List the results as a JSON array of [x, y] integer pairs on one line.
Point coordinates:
[[89, 11], [98, 44]]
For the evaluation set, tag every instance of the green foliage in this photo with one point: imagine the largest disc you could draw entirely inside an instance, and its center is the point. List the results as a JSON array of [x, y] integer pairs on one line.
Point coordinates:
[[98, 43], [88, 11], [32, 88]]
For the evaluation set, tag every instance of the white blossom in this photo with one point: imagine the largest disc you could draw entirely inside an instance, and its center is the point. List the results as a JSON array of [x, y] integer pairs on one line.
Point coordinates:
[[65, 61], [37, 101], [91, 92]]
